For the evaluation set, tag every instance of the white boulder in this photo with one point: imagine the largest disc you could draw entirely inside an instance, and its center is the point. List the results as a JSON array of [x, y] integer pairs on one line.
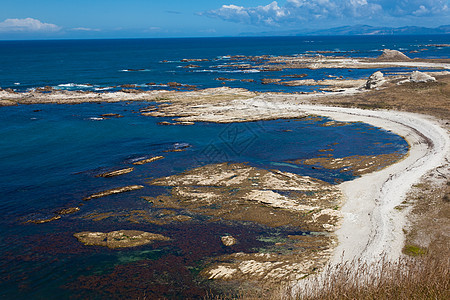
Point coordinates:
[[417, 76], [375, 80]]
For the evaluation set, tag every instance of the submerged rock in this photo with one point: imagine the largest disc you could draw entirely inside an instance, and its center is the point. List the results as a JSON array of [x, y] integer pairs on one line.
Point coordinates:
[[417, 76], [375, 80], [119, 239]]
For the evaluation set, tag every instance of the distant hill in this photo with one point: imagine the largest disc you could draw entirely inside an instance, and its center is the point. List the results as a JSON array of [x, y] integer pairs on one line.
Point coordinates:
[[370, 30], [357, 30]]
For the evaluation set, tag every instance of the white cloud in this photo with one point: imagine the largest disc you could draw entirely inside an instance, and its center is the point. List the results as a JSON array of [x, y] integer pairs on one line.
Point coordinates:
[[85, 29], [421, 11], [301, 11], [27, 25]]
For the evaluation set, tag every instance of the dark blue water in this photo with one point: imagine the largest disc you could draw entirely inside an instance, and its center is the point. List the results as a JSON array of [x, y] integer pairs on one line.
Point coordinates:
[[78, 64], [50, 154]]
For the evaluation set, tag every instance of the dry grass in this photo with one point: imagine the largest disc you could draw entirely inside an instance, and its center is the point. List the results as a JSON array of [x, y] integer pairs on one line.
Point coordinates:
[[426, 277], [423, 277], [426, 98]]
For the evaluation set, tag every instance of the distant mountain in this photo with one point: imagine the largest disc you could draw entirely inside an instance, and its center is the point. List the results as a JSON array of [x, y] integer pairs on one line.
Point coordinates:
[[370, 30], [357, 30]]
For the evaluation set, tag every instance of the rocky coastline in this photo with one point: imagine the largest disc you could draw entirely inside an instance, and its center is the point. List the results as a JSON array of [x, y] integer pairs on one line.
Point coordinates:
[[237, 192]]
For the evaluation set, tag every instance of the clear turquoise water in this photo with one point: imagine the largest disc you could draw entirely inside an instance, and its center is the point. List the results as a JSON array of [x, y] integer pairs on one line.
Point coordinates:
[[50, 154]]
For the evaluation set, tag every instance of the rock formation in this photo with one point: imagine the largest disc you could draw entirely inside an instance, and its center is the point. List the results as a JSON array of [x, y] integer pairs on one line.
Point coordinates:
[[392, 55], [228, 240], [417, 76], [375, 80], [119, 239]]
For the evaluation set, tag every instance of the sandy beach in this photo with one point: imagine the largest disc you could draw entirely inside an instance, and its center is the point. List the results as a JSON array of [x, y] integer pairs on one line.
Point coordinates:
[[372, 227]]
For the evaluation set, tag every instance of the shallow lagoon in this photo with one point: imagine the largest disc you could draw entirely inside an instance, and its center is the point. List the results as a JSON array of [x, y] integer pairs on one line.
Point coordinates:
[[52, 154]]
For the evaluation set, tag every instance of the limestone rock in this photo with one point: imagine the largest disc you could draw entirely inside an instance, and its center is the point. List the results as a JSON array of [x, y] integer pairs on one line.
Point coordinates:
[[417, 76], [228, 240], [119, 239], [375, 80], [392, 55]]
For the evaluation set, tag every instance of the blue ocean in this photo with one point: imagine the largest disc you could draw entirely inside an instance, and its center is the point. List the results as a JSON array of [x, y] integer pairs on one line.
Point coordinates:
[[152, 63], [50, 155]]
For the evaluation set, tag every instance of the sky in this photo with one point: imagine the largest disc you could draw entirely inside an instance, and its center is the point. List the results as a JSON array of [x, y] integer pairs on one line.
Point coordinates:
[[51, 19]]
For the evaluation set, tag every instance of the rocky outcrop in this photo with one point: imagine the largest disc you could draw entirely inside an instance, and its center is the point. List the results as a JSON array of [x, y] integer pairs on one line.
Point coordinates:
[[46, 220], [240, 192], [67, 211], [228, 240], [270, 80], [148, 160], [417, 76], [7, 103], [114, 191], [191, 66], [375, 80], [194, 59], [119, 239], [392, 55], [111, 115], [116, 173]]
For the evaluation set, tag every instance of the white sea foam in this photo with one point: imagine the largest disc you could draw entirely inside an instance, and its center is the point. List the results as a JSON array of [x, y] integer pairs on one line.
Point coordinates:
[[73, 85], [227, 71], [135, 70], [103, 88]]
